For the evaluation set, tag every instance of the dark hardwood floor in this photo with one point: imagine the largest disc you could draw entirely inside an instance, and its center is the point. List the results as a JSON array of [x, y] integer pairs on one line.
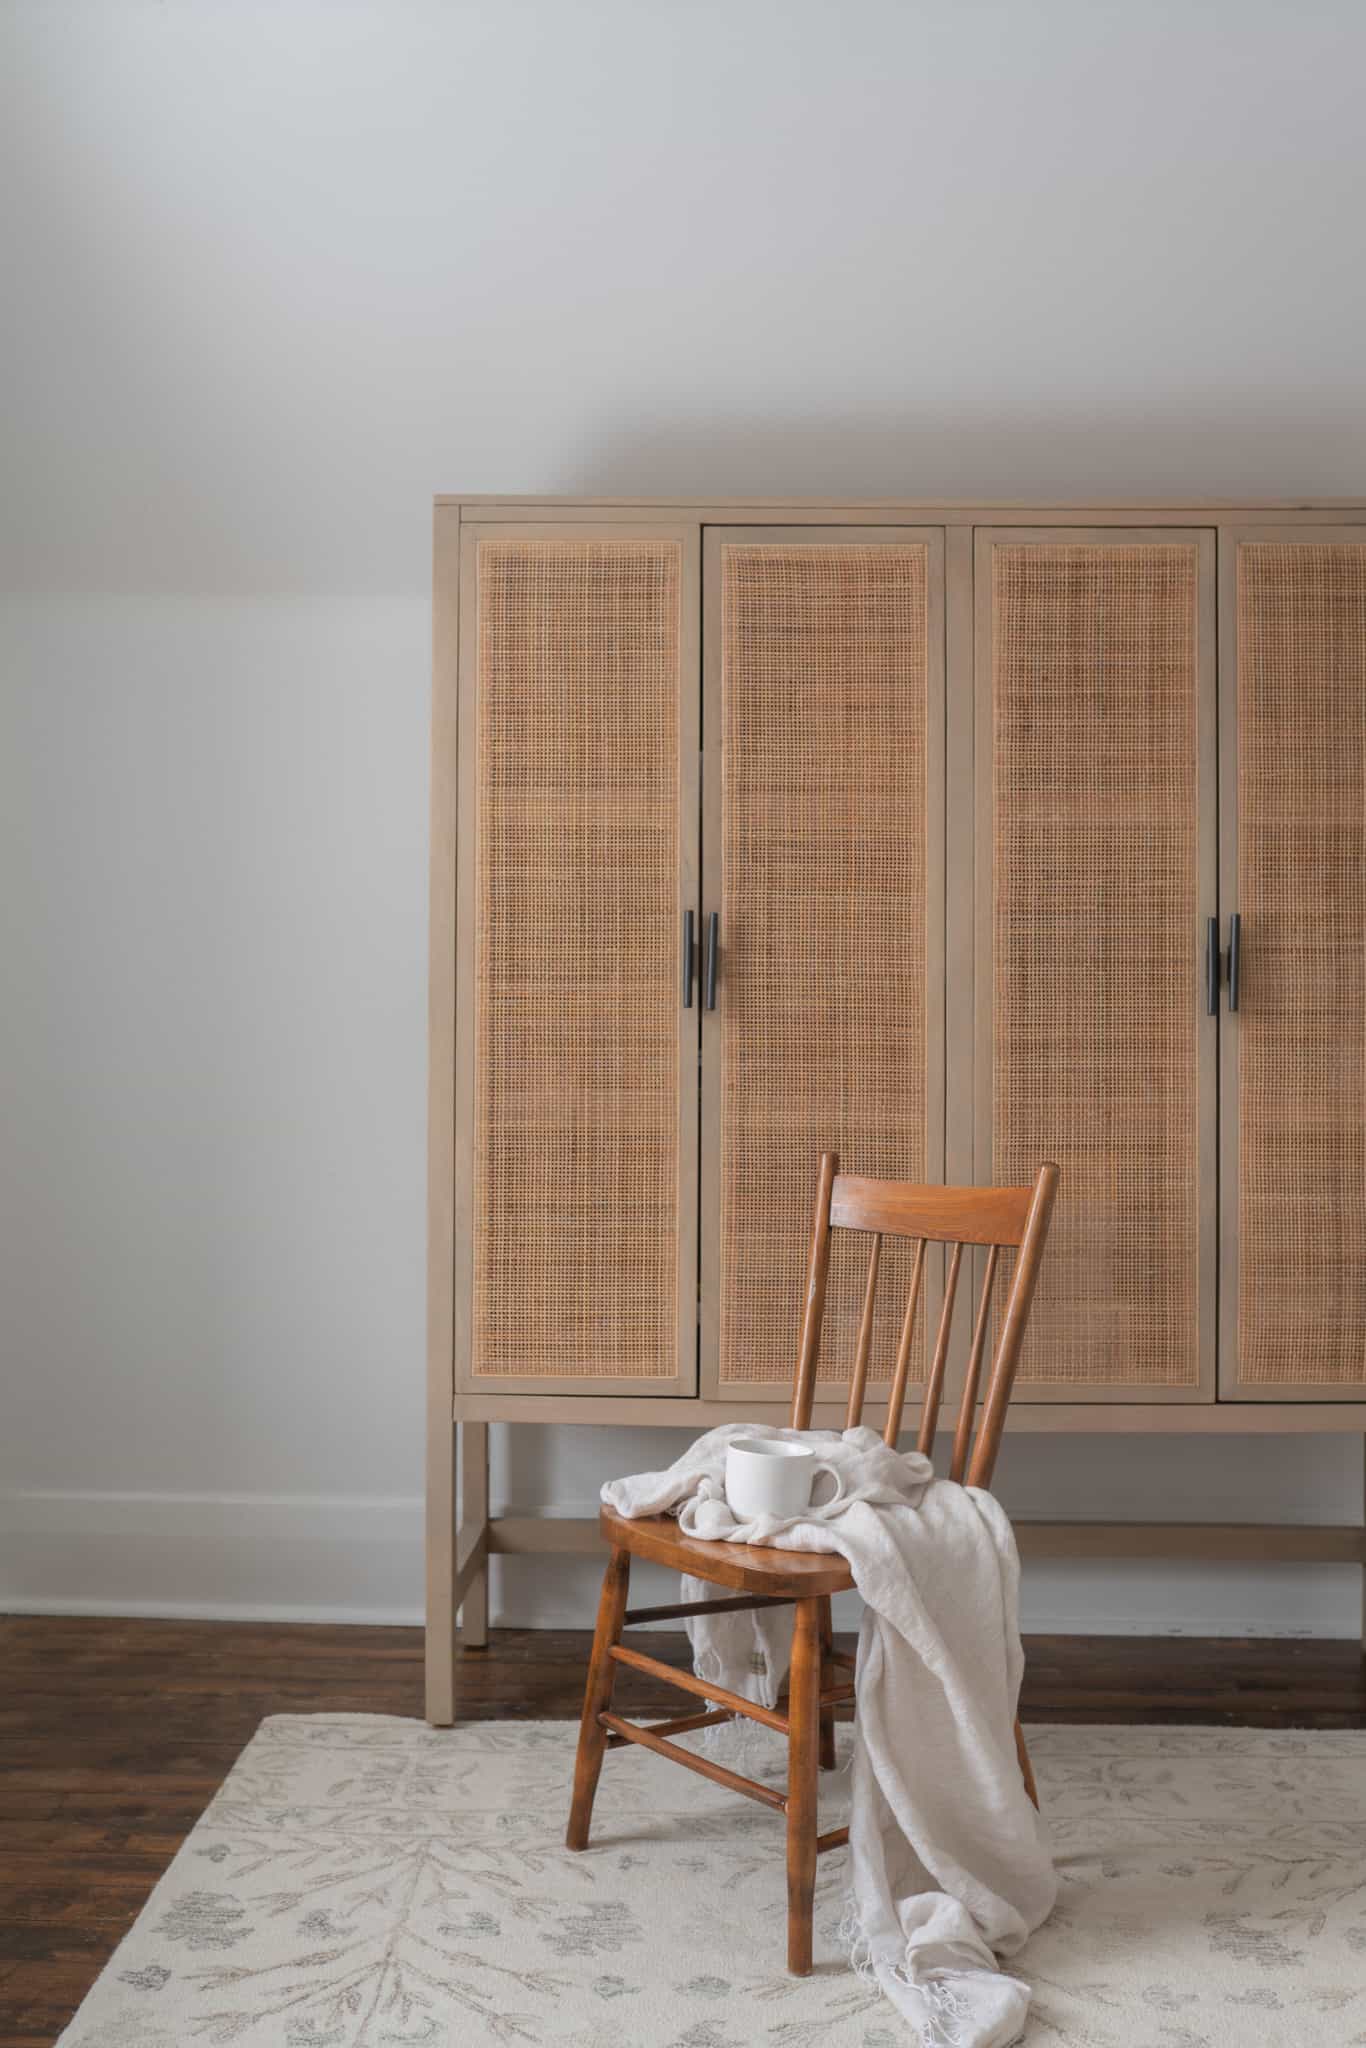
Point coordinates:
[[115, 1734]]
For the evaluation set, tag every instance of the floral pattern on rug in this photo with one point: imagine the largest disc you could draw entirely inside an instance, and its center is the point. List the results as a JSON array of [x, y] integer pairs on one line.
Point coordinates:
[[361, 1882]]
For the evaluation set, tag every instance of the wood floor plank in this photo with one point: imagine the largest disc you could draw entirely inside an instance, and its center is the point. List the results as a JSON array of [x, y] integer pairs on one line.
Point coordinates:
[[115, 1734]]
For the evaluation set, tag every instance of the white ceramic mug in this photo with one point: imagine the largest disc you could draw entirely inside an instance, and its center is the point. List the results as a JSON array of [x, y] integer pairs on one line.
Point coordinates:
[[773, 1476]]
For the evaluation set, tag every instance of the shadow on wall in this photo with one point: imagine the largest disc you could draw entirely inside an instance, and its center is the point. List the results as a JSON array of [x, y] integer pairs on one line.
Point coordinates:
[[1177, 448]]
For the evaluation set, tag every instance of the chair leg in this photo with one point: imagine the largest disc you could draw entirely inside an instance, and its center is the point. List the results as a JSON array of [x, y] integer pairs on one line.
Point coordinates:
[[827, 1758], [1026, 1767], [803, 1751], [602, 1672]]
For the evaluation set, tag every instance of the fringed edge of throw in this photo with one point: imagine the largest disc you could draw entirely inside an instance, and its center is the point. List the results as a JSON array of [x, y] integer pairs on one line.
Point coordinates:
[[748, 1745], [946, 2011]]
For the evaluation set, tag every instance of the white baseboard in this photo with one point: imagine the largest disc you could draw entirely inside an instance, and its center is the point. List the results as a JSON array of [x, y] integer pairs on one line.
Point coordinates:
[[349, 1616], [219, 1557], [240, 1557]]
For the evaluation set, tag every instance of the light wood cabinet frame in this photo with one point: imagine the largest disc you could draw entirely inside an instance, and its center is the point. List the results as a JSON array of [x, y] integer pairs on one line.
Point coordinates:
[[460, 1415]]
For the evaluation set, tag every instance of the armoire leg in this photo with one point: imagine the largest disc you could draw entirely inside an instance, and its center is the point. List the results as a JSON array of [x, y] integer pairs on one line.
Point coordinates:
[[829, 1674], [597, 1697], [439, 1642], [474, 1514], [803, 1752]]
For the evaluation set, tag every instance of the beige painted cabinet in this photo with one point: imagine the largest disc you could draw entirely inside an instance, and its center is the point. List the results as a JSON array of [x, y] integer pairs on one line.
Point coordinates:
[[732, 735], [947, 836]]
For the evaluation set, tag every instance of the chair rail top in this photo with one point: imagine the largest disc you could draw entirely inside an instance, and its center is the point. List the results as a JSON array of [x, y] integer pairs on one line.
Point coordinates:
[[944, 1215]]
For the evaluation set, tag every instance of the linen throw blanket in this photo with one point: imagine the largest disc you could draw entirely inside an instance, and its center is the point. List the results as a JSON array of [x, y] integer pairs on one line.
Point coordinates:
[[950, 1864]]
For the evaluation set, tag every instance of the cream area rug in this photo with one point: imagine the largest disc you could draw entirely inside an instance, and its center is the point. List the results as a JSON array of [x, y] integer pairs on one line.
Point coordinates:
[[361, 1882]]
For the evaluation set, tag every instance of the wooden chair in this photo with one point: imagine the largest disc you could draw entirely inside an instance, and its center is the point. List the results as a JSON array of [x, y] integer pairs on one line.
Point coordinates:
[[993, 1217]]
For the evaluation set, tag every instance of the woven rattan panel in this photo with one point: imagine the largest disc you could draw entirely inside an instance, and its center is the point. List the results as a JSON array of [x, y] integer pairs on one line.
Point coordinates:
[[823, 925], [1302, 897], [577, 1050], [1095, 914]]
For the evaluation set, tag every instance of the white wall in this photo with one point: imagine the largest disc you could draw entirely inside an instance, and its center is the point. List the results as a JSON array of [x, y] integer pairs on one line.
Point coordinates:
[[272, 276]]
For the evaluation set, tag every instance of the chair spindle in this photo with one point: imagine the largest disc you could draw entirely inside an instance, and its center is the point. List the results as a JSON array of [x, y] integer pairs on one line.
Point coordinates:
[[896, 1400], [859, 1383], [967, 1407], [934, 1391], [813, 1309], [1018, 1303]]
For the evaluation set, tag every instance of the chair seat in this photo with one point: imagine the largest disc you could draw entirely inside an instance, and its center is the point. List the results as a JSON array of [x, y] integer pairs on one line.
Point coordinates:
[[745, 1567]]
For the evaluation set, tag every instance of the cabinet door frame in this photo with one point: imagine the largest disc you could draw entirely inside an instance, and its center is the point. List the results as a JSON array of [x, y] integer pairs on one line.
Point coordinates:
[[781, 534], [1231, 537], [987, 537], [683, 1381]]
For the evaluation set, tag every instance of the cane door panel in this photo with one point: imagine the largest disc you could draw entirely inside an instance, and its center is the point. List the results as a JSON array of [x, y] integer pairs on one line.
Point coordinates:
[[576, 1060], [1293, 1308], [823, 838], [1096, 864]]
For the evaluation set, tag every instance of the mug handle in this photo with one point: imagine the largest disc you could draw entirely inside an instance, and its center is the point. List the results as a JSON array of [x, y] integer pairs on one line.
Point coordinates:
[[838, 1495]]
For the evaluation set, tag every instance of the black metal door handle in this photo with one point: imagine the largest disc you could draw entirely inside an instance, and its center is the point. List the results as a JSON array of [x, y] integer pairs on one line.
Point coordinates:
[[713, 937], [1235, 947], [689, 959], [1212, 966]]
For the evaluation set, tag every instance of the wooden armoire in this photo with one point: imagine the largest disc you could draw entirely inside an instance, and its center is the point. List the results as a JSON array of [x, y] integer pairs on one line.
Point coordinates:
[[950, 837]]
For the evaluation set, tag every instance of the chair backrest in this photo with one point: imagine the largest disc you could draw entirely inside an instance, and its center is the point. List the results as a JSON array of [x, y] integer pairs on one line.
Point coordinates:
[[994, 1217]]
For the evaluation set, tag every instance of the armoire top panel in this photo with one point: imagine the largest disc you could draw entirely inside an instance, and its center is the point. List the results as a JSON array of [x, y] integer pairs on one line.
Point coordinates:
[[910, 510]]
